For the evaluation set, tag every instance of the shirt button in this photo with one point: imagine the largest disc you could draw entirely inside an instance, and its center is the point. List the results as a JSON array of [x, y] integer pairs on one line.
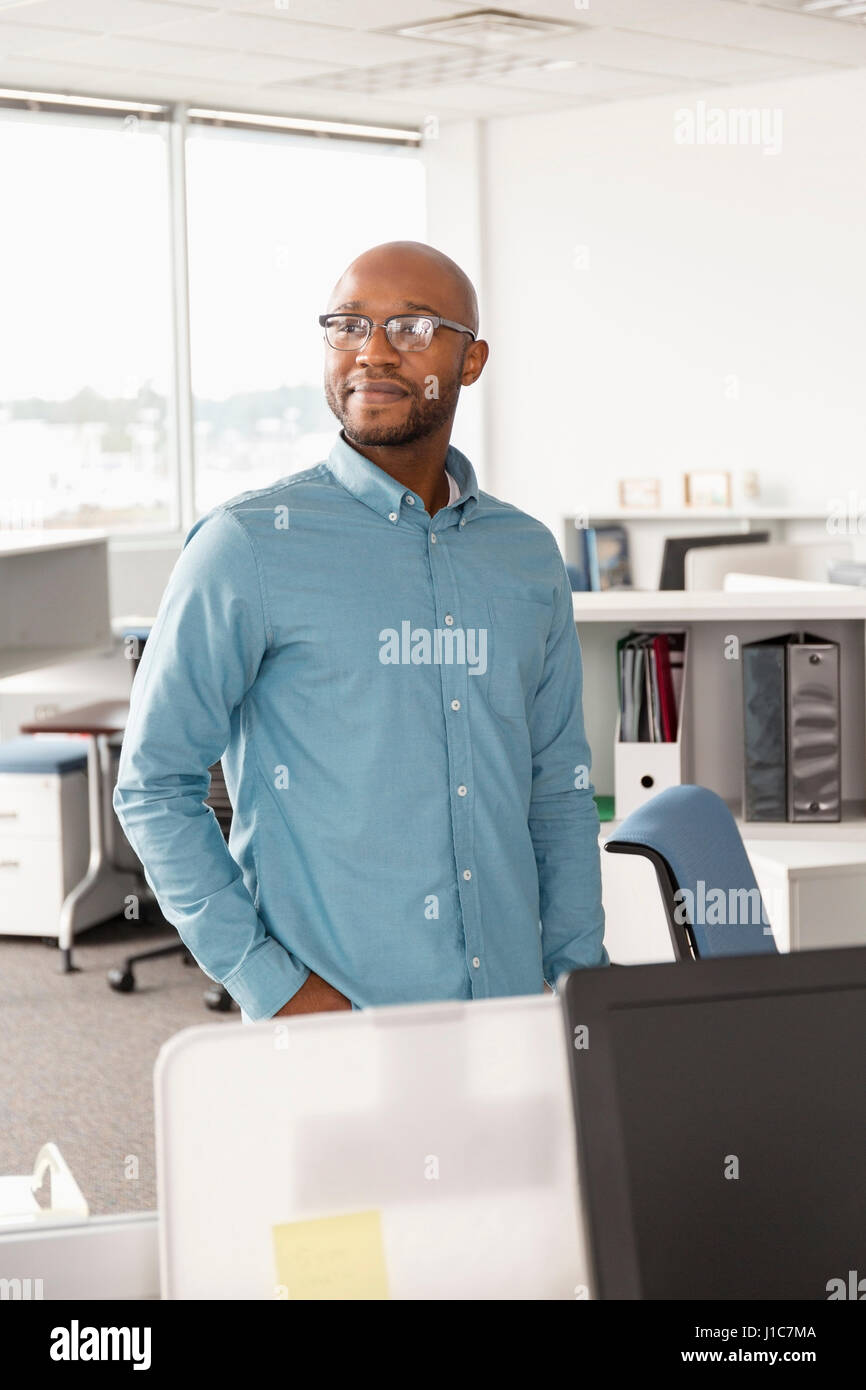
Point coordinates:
[[392, 516], [462, 522], [475, 962], [432, 540], [410, 499], [449, 621], [467, 873], [461, 791], [455, 704]]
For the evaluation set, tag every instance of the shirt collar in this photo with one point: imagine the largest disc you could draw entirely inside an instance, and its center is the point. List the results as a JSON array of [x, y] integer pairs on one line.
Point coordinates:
[[377, 489]]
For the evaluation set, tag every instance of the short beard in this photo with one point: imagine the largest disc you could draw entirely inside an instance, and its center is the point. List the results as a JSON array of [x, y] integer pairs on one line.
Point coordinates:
[[424, 419]]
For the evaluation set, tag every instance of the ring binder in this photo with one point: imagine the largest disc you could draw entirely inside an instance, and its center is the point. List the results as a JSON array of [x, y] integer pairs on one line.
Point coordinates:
[[791, 728]]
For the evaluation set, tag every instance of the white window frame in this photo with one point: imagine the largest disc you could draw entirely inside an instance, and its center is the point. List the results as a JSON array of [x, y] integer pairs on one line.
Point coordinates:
[[178, 117]]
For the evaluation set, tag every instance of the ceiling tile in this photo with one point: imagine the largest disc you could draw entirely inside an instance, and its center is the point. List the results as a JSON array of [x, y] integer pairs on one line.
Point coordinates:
[[275, 33], [651, 53], [336, 47], [358, 14], [208, 90], [471, 98], [587, 81], [148, 56], [101, 16], [26, 38], [736, 23]]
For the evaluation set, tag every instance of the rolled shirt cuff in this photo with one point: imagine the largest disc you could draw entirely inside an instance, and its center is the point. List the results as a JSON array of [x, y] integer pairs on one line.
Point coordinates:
[[268, 978]]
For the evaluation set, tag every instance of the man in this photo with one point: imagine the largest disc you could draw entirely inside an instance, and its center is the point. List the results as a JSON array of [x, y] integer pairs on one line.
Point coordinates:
[[385, 659]]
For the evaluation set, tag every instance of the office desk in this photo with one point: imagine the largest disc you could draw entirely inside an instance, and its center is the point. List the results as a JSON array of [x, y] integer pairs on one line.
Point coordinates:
[[104, 1257], [55, 590]]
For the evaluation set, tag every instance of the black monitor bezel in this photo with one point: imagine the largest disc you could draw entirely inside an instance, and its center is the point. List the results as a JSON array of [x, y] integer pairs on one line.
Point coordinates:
[[588, 998]]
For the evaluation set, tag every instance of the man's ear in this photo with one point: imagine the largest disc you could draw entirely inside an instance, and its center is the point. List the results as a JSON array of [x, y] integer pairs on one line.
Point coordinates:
[[473, 363]]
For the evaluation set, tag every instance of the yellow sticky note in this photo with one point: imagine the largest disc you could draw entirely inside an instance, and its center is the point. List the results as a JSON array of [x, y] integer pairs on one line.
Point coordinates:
[[337, 1257]]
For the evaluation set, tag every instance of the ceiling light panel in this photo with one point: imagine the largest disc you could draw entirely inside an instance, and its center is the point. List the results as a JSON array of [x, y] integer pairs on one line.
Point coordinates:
[[486, 28]]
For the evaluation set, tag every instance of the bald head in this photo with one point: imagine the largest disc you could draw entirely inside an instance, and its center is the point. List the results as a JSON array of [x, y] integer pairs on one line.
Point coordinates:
[[426, 277]]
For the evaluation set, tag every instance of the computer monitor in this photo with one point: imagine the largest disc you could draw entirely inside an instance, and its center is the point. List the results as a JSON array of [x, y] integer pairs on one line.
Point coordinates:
[[720, 1110], [673, 575]]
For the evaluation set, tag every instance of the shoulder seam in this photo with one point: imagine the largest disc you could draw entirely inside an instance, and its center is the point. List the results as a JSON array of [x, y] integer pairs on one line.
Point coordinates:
[[237, 504], [266, 617]]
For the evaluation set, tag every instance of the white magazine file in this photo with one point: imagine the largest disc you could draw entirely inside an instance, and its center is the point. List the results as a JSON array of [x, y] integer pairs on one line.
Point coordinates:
[[642, 770]]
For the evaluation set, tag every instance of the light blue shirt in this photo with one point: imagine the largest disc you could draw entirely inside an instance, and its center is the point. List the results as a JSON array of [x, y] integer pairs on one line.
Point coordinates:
[[397, 704]]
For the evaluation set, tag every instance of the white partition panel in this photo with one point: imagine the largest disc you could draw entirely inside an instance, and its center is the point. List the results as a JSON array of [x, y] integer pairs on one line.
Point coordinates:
[[451, 1121]]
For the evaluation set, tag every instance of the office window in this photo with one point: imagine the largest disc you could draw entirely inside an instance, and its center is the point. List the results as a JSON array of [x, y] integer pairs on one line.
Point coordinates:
[[86, 344], [273, 220]]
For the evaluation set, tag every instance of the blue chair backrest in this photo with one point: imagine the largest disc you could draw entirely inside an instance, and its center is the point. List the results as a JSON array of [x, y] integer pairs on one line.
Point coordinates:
[[716, 892]]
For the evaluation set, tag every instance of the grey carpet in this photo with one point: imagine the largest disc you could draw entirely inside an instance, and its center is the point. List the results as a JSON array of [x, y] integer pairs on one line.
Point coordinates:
[[77, 1058]]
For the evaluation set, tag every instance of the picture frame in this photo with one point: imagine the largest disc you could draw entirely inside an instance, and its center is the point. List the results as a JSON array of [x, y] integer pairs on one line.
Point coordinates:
[[708, 487], [643, 493]]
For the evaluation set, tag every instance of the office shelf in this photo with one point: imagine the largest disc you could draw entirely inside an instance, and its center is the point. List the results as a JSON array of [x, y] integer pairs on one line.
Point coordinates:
[[658, 606], [718, 624], [765, 514]]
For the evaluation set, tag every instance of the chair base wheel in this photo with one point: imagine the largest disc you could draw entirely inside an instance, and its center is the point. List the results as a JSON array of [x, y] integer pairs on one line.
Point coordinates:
[[121, 980], [218, 1000]]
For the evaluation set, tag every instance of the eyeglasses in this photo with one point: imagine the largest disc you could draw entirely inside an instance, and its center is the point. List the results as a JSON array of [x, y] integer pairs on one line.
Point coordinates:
[[405, 332]]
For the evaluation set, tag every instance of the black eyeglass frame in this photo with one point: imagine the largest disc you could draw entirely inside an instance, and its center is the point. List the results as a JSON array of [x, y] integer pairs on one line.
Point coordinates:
[[435, 319]]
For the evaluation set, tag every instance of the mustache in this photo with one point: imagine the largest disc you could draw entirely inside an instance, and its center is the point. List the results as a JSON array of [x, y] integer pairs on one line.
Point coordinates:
[[364, 380]]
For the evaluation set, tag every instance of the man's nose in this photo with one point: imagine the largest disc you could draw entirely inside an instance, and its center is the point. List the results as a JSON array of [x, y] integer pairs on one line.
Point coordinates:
[[378, 349]]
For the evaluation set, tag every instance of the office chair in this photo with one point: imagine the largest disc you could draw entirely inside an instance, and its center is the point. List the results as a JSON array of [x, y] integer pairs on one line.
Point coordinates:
[[122, 978], [692, 841]]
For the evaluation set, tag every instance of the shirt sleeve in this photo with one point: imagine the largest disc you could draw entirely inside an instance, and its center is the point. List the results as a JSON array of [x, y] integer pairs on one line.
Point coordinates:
[[563, 817], [201, 658]]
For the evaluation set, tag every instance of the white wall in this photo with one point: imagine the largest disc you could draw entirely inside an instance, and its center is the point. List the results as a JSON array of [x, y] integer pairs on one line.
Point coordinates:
[[715, 298], [455, 159]]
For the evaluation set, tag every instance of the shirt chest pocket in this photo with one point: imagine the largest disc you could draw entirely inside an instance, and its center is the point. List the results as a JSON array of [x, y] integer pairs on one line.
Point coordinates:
[[517, 643]]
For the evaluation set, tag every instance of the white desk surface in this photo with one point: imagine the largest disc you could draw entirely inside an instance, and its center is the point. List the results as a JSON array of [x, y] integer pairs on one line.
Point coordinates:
[[808, 854], [694, 605], [31, 541]]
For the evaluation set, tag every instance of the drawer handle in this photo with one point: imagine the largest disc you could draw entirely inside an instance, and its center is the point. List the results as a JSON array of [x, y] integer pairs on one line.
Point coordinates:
[[10, 863], [8, 815]]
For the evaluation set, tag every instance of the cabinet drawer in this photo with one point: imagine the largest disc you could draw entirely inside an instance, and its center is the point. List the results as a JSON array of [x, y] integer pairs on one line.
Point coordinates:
[[31, 804], [31, 887]]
